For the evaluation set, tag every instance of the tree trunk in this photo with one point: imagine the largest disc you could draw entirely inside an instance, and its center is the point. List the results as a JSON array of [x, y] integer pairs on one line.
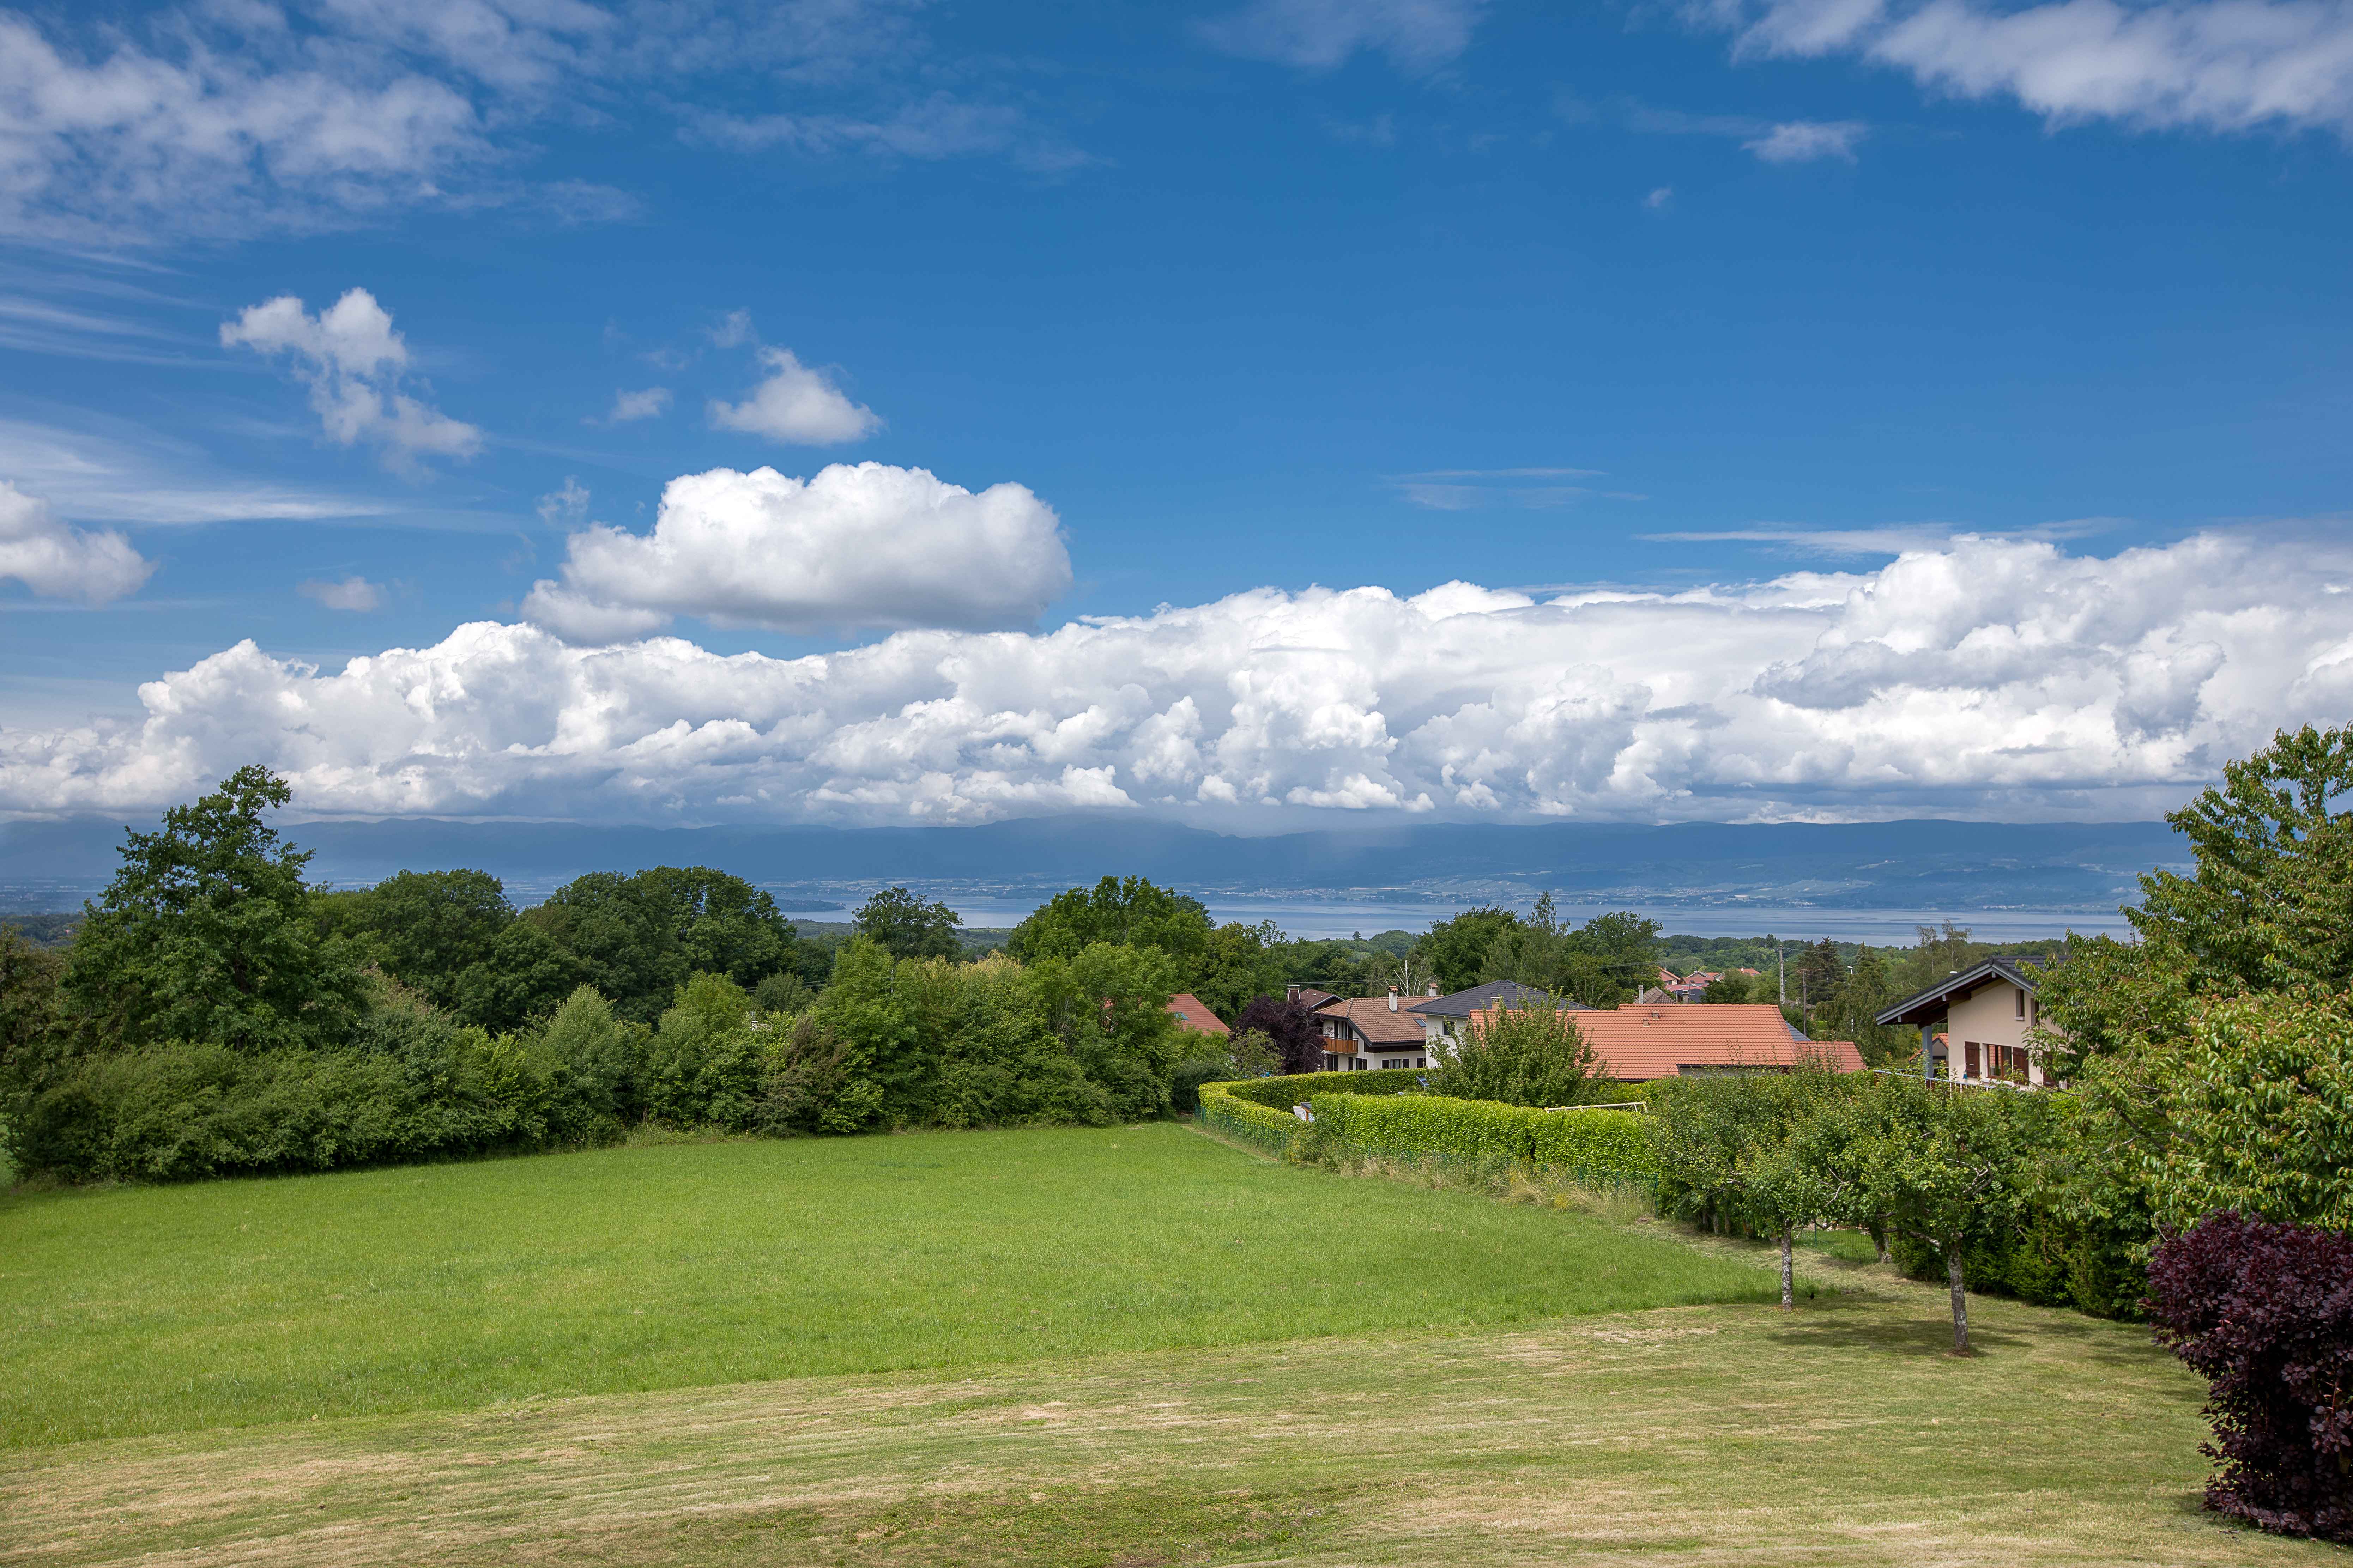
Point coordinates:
[[1878, 1229], [1960, 1297], [1789, 1297]]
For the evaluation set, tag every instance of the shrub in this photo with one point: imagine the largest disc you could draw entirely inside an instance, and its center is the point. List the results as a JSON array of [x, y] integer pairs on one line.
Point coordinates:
[[1297, 1089], [1530, 1055], [1596, 1148], [2264, 1312], [1246, 1120]]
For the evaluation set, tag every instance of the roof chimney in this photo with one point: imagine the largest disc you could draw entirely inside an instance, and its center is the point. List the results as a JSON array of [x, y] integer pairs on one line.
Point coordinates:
[[1392, 998], [1433, 988], [1290, 992]]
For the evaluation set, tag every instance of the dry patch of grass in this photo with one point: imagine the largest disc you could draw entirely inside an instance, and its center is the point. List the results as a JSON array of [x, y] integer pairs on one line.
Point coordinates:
[[1839, 1434]]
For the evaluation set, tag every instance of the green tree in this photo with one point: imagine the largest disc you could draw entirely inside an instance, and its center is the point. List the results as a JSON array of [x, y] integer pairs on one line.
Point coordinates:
[[1746, 1145], [637, 939], [905, 926], [1241, 962], [2269, 903], [1820, 973], [428, 928], [1531, 1054], [1457, 948], [1126, 911], [1943, 1163], [1602, 963], [204, 934]]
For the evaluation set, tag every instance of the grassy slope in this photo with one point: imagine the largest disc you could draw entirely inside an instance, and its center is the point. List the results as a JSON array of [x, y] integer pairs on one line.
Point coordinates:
[[450, 1286], [1685, 1436]]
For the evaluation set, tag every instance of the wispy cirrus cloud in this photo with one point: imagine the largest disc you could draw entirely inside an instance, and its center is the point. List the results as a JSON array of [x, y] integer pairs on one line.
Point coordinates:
[[228, 119], [1771, 141], [1418, 35], [2206, 65], [1468, 490]]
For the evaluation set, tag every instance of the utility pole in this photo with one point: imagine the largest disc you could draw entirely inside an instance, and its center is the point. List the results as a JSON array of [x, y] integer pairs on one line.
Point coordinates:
[[1781, 965]]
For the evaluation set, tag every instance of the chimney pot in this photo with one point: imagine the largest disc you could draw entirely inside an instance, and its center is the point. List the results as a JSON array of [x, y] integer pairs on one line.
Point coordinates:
[[1392, 998], [1290, 992]]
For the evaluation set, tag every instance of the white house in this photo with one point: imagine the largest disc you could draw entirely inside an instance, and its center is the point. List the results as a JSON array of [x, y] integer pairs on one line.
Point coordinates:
[[1986, 1010]]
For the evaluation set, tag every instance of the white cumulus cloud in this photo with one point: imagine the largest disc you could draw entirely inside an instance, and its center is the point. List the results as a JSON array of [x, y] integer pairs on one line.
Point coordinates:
[[2213, 65], [796, 404], [1417, 35], [1993, 677], [869, 545], [59, 561], [352, 360], [352, 594]]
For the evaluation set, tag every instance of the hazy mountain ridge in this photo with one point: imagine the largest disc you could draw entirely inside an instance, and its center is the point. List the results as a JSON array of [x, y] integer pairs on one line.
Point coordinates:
[[1914, 864]]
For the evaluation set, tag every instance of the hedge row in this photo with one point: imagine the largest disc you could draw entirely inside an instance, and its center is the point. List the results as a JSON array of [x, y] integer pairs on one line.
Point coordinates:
[[1283, 1093], [1251, 1123], [1603, 1148]]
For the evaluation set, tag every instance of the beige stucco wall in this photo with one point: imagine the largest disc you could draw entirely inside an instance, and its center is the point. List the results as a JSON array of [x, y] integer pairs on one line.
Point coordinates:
[[1988, 1015]]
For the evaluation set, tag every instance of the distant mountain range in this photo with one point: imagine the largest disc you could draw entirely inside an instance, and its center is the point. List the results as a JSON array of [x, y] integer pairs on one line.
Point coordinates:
[[1926, 864]]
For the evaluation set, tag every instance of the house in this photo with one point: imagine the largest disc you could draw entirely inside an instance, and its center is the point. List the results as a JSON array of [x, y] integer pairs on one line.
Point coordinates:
[[1641, 1041], [1192, 1013], [1444, 1019], [1367, 1032], [1987, 1008]]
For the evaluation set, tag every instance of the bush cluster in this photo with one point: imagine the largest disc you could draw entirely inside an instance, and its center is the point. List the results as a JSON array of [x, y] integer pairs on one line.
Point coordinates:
[[2265, 1311], [906, 1043]]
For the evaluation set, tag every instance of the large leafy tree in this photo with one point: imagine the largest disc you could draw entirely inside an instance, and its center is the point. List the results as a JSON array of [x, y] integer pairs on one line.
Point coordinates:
[[636, 939], [1600, 964], [205, 932], [428, 928], [2269, 904], [1457, 948], [1126, 911], [906, 926]]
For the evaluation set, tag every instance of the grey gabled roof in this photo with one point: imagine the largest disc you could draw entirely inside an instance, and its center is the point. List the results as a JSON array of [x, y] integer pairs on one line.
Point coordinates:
[[1930, 1005], [1482, 998]]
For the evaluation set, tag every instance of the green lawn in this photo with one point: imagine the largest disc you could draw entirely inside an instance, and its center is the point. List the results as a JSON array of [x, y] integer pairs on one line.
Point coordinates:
[[1840, 1437], [453, 1287]]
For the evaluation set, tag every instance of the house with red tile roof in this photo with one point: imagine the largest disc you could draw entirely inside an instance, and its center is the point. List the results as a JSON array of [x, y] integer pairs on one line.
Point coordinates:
[[1192, 1013], [1641, 1041], [1367, 1032]]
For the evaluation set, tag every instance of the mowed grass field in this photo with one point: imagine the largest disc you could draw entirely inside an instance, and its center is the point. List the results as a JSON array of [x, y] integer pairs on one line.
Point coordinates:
[[1112, 1350], [450, 1286]]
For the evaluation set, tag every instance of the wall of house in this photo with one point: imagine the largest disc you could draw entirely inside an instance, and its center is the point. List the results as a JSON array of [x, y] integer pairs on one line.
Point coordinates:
[[1990, 1016]]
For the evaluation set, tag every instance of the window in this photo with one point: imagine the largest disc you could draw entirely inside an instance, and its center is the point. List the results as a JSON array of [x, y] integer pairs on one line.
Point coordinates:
[[2020, 997]]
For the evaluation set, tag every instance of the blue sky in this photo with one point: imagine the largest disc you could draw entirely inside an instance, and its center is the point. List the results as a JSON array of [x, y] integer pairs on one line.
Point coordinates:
[[1734, 323]]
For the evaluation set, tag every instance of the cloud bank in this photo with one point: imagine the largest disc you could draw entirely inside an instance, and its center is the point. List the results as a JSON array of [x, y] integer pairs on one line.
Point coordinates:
[[58, 561], [1994, 678], [352, 360], [2209, 65], [869, 545]]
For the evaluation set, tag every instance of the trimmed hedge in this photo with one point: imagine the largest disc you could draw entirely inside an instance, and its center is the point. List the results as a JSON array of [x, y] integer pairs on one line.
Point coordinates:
[[1600, 1148], [1251, 1123], [1283, 1093]]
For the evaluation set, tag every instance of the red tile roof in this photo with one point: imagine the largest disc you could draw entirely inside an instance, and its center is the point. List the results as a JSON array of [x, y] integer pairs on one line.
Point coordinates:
[[1195, 1015], [1639, 1042], [1375, 1023]]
